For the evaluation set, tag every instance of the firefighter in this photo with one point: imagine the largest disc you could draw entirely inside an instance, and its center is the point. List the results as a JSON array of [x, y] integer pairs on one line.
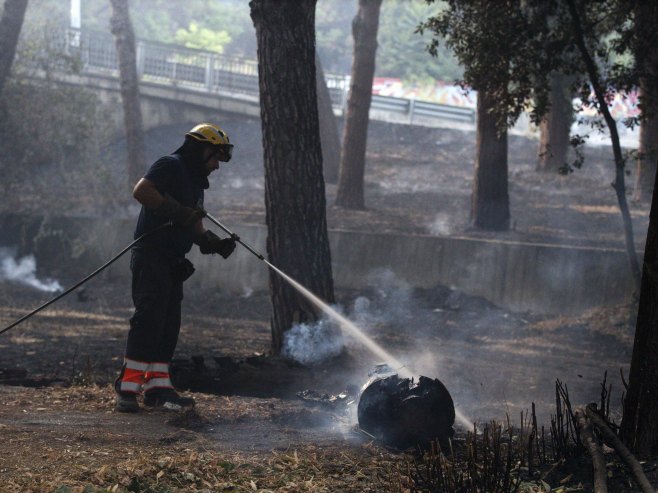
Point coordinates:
[[172, 191]]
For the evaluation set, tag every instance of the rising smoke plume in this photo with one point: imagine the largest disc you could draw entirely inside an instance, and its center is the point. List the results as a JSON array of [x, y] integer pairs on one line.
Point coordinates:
[[313, 343], [23, 270]]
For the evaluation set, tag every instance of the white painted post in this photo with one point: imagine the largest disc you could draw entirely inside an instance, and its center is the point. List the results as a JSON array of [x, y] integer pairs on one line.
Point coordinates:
[[139, 55], [75, 13], [75, 17], [209, 67], [346, 91]]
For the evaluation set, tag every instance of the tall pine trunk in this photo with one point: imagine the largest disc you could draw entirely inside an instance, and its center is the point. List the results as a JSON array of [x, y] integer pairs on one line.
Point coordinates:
[[647, 160], [10, 29], [555, 127], [349, 193], [297, 241], [646, 59], [129, 82], [639, 427], [328, 127], [490, 198]]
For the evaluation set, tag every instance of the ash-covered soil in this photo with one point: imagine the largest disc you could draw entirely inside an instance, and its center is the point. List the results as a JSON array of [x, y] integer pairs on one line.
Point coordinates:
[[60, 428], [419, 179], [63, 430]]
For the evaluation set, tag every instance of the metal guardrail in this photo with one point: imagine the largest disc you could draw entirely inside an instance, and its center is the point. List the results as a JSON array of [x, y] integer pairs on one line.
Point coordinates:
[[221, 74]]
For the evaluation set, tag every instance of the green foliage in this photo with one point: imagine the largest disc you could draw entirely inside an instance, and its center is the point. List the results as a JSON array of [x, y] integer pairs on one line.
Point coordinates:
[[224, 27], [498, 45], [203, 38], [510, 48], [51, 134], [401, 52], [333, 33]]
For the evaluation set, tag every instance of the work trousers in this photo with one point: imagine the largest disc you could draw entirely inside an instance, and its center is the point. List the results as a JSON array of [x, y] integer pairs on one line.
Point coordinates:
[[157, 296]]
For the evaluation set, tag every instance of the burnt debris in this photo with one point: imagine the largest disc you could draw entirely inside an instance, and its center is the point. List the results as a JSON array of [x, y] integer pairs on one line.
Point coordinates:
[[403, 413]]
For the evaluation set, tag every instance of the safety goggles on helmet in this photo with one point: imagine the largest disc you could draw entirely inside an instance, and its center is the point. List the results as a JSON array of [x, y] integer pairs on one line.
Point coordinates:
[[225, 152], [213, 135]]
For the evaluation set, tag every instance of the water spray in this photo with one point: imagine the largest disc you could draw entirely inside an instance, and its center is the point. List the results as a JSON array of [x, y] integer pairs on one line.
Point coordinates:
[[345, 324]]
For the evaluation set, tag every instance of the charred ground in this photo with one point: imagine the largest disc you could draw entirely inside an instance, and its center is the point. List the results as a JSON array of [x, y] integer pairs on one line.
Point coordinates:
[[63, 431]]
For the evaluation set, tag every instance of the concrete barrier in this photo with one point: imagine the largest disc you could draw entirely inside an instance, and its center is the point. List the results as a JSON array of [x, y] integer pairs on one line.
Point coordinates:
[[519, 276]]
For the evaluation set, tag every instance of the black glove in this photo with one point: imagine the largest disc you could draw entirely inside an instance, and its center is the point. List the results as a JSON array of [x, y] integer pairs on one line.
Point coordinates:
[[184, 216], [209, 242]]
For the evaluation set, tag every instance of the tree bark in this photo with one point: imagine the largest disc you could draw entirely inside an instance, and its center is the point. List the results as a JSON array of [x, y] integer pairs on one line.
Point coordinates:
[[355, 132], [328, 127], [647, 154], [10, 29], [639, 426], [646, 59], [129, 82], [490, 197], [555, 127], [297, 241]]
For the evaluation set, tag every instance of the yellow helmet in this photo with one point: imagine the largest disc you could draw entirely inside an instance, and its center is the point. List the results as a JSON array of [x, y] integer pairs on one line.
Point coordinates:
[[211, 134]]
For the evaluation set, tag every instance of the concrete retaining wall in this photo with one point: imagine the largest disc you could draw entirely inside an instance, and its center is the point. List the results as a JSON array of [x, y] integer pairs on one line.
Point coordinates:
[[518, 276]]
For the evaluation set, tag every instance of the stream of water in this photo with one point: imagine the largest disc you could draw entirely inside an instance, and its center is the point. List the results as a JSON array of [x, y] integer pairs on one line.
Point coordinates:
[[349, 327]]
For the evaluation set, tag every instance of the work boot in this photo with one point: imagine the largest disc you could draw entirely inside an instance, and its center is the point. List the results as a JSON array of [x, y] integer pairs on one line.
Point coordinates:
[[126, 401], [167, 399]]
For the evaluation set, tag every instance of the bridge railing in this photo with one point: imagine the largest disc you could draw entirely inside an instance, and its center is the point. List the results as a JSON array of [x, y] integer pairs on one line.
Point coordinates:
[[174, 65]]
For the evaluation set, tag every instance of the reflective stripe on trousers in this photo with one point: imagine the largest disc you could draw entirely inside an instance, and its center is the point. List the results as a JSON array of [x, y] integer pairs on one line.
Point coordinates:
[[157, 377], [138, 375], [133, 375]]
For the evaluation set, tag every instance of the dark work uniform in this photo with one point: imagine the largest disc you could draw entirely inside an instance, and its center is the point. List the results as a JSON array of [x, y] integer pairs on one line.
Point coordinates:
[[159, 268]]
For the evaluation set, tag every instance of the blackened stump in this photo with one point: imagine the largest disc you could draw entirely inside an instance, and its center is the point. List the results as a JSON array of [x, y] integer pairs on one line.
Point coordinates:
[[403, 413]]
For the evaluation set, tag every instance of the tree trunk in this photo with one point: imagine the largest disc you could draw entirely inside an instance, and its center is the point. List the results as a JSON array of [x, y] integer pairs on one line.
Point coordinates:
[[328, 127], [490, 198], [647, 155], [10, 28], [640, 424], [639, 427], [619, 184], [555, 127], [355, 132], [646, 60], [129, 82], [297, 241]]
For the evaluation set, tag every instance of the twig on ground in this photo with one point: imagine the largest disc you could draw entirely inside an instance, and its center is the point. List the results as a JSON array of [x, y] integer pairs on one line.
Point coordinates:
[[594, 449], [613, 440]]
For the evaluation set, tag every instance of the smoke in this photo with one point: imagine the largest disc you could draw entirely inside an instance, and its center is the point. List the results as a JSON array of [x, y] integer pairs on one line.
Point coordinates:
[[315, 343], [239, 183], [390, 302], [441, 225], [23, 271]]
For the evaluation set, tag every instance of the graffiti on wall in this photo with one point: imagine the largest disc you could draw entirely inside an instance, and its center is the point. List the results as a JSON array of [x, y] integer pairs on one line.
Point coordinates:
[[622, 105]]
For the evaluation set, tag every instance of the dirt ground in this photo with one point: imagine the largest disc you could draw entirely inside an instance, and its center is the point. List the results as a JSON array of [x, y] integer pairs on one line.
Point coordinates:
[[61, 433]]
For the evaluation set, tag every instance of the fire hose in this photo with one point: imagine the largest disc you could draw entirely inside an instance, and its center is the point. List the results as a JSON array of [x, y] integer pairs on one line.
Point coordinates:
[[117, 256], [81, 282], [235, 237]]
